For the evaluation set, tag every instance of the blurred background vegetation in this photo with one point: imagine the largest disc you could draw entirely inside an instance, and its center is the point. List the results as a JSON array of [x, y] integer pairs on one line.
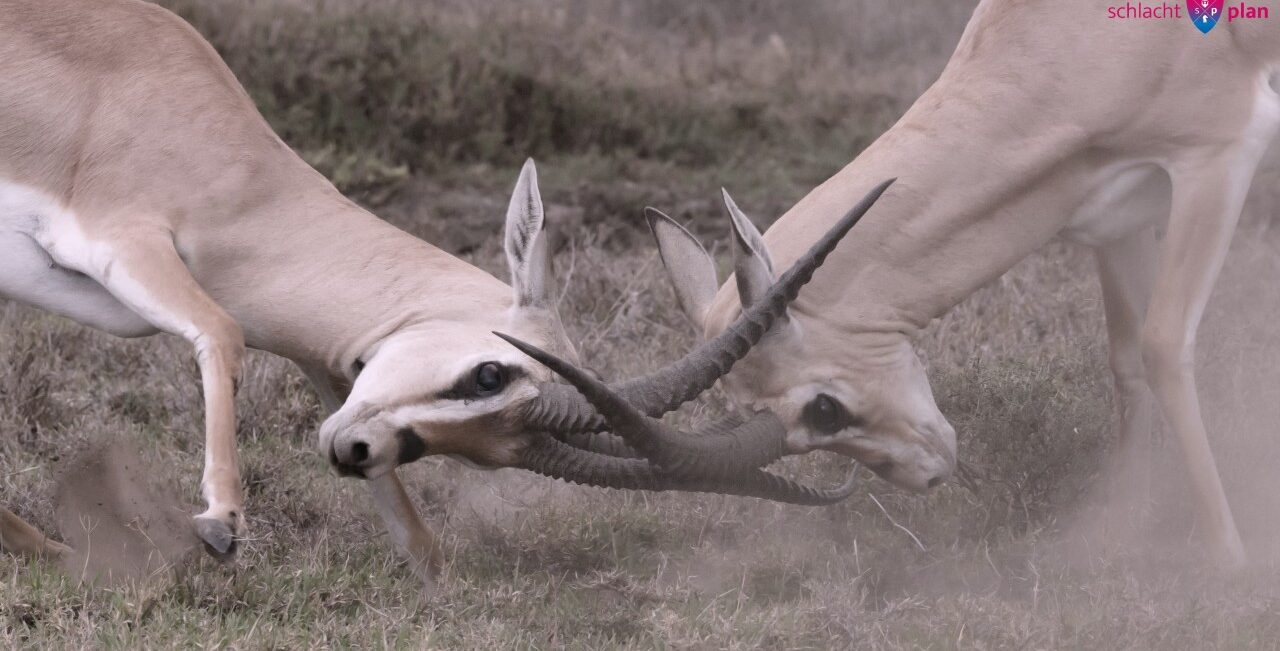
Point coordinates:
[[374, 91]]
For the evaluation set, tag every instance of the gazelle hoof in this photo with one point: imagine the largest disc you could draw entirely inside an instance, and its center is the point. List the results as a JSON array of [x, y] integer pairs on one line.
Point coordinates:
[[219, 538]]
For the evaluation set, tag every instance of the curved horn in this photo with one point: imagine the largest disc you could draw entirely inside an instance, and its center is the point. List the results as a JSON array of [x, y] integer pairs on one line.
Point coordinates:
[[562, 410], [724, 450], [547, 456], [600, 442]]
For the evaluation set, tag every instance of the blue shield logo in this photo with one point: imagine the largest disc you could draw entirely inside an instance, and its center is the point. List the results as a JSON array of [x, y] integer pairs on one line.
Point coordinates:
[[1204, 13]]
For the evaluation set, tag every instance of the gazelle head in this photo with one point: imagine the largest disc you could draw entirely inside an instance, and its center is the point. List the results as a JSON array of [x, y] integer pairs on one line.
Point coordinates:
[[445, 384], [451, 386], [863, 395]]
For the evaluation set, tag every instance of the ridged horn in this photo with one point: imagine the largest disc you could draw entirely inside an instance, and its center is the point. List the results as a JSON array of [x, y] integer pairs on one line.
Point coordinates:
[[723, 450], [562, 410], [601, 443], [548, 456]]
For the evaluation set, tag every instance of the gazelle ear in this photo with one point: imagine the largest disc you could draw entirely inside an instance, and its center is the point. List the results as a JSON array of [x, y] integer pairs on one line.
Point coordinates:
[[691, 270], [752, 267], [526, 241]]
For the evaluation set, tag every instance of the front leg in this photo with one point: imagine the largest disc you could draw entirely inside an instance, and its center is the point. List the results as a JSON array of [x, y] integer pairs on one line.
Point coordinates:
[[1207, 198], [1126, 269], [146, 274], [413, 539]]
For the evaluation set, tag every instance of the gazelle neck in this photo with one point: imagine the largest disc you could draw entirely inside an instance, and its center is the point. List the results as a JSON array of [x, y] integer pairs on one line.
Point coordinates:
[[331, 279], [954, 220], [1000, 154]]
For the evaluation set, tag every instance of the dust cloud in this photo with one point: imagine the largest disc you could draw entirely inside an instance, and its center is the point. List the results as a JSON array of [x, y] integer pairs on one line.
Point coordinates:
[[119, 525]]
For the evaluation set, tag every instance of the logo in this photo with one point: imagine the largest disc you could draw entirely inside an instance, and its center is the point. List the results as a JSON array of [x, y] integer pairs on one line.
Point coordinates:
[[1204, 13]]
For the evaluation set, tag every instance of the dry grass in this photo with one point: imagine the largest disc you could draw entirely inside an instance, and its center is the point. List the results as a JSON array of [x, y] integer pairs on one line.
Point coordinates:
[[1019, 368]]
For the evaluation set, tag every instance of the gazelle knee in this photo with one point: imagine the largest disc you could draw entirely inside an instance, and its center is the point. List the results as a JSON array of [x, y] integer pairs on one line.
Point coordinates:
[[221, 345], [1165, 357], [1128, 369]]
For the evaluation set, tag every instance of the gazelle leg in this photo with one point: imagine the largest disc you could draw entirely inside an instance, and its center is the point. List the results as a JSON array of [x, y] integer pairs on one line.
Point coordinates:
[[18, 537], [1207, 198], [414, 540], [1126, 269], [147, 275]]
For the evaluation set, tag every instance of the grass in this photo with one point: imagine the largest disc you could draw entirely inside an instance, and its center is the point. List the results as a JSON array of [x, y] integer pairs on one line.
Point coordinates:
[[559, 566], [373, 92], [1019, 368]]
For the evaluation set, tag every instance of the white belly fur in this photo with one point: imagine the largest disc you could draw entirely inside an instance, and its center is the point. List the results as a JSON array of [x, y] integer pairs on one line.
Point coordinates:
[[28, 273]]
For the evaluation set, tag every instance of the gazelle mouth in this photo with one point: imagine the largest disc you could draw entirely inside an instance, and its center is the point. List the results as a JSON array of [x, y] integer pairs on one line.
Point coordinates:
[[610, 434], [344, 469]]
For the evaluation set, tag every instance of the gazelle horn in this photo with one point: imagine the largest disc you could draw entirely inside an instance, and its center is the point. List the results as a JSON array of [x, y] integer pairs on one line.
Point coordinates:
[[627, 408], [547, 456]]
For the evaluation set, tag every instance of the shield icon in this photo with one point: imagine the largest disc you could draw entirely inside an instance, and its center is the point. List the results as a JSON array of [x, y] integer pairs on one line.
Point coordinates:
[[1204, 13]]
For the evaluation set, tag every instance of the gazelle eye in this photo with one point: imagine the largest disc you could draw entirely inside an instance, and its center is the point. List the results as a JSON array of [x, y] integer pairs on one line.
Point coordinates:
[[826, 415], [490, 378]]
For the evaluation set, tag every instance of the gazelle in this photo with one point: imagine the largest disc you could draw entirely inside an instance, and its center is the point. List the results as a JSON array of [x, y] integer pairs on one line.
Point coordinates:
[[1050, 119], [142, 192]]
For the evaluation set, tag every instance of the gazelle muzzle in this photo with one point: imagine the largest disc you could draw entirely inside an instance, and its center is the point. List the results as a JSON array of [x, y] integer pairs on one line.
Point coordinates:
[[643, 453]]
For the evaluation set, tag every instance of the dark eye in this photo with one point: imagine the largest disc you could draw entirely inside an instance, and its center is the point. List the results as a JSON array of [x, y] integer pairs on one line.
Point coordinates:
[[489, 378], [826, 415]]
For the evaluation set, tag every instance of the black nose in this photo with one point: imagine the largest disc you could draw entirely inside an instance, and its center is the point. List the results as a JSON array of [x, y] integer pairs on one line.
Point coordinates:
[[933, 483], [359, 452], [349, 458]]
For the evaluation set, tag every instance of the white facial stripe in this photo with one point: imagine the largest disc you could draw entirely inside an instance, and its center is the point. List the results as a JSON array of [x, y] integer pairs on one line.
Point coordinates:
[[444, 410], [511, 358], [893, 447]]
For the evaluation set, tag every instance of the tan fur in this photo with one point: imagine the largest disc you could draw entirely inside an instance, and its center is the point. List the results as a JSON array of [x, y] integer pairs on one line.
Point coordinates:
[[21, 538], [176, 197], [1044, 107]]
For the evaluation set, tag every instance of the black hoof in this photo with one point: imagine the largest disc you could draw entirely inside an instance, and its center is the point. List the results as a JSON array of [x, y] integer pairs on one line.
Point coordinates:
[[219, 539]]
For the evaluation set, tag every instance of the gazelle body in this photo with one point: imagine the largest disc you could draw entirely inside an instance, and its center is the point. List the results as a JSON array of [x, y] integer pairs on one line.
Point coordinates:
[[142, 192], [1049, 120]]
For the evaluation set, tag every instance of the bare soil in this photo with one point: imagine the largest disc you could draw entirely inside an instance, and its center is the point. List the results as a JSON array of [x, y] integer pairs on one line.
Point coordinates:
[[120, 526]]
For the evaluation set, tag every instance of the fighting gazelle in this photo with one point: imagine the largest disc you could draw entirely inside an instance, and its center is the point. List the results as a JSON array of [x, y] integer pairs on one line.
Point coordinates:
[[1050, 120], [142, 192]]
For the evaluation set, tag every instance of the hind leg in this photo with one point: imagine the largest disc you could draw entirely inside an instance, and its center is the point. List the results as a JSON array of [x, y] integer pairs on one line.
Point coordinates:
[[28, 275], [1207, 199], [1126, 269], [18, 537]]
